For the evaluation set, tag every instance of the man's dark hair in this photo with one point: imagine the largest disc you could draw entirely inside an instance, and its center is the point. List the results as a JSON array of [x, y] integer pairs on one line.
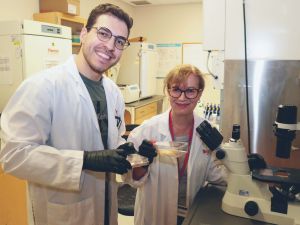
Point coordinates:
[[108, 9]]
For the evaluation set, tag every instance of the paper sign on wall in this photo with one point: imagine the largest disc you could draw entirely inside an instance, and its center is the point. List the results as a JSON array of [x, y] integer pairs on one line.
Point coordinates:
[[169, 56], [5, 71]]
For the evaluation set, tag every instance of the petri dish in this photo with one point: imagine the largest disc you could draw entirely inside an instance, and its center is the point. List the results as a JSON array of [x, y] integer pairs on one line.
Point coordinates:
[[171, 148], [137, 160]]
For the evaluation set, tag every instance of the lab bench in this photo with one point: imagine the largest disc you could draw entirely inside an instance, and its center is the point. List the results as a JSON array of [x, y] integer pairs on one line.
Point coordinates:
[[138, 111], [206, 210]]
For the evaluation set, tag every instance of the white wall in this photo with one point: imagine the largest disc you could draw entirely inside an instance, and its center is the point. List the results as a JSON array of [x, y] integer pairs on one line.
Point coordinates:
[[170, 24], [159, 24], [18, 9]]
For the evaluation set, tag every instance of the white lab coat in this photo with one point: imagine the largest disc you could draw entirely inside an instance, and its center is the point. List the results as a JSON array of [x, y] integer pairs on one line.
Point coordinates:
[[156, 200], [46, 126]]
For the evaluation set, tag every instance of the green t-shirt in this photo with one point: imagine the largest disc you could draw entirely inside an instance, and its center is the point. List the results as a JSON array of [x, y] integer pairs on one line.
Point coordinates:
[[97, 94]]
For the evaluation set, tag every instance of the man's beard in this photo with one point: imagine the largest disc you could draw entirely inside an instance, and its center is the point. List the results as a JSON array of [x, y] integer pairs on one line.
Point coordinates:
[[95, 69]]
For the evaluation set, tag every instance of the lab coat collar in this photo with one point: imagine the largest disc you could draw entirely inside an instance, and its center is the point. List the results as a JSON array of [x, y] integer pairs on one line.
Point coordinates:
[[73, 71], [163, 127], [82, 90]]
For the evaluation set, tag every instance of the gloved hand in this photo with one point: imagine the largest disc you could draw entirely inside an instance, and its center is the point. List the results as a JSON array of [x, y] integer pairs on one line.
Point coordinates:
[[148, 150], [128, 148], [106, 161]]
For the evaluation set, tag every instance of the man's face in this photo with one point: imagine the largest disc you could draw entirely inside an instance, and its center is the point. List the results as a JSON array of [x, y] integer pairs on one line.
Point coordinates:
[[101, 55]]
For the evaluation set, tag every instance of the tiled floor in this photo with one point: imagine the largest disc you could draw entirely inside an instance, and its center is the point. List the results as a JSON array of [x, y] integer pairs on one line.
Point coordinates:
[[125, 220]]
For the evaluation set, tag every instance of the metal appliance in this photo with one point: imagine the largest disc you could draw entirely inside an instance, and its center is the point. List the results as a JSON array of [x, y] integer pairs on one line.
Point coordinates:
[[262, 64], [27, 47], [139, 65]]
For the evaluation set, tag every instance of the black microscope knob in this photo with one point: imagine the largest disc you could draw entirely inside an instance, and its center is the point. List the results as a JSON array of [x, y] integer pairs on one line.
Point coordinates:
[[220, 154], [251, 208]]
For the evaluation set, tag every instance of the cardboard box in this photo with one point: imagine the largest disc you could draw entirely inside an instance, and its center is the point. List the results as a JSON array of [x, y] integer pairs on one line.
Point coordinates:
[[65, 6]]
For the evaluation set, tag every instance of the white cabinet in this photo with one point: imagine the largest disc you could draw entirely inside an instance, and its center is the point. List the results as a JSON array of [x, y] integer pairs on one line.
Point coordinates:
[[214, 24]]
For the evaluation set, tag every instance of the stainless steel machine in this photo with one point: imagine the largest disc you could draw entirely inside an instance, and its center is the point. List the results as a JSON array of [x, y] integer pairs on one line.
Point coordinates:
[[262, 71]]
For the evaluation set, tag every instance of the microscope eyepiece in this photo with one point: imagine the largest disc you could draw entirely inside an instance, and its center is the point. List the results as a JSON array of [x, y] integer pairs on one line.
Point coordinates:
[[236, 133], [209, 135], [286, 115]]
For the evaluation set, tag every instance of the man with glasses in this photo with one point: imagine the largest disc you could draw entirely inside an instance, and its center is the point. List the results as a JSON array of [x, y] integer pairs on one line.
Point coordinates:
[[58, 126], [167, 188]]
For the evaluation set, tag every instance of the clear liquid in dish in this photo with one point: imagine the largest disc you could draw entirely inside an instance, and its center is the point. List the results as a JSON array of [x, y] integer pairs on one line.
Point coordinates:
[[171, 148], [137, 160]]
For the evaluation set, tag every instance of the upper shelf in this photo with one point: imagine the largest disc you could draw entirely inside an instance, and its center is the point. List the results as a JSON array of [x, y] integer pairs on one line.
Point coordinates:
[[75, 22]]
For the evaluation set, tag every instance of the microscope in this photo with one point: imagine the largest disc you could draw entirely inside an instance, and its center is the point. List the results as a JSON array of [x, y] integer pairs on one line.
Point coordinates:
[[255, 190]]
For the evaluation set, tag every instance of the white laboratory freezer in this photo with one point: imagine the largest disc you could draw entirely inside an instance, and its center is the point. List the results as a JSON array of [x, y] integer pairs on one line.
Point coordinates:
[[139, 64], [27, 47]]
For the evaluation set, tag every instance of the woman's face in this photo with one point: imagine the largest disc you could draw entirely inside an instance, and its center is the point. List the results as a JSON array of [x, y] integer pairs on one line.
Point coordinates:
[[186, 102]]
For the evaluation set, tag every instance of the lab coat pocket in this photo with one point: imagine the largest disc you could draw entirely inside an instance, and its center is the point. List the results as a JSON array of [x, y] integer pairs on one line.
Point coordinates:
[[69, 214]]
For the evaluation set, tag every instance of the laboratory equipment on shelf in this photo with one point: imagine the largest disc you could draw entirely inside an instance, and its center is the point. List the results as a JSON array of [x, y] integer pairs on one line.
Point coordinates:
[[130, 92], [255, 190]]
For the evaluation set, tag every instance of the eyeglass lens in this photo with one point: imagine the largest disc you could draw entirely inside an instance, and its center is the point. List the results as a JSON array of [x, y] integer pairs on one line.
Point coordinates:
[[189, 93], [104, 34]]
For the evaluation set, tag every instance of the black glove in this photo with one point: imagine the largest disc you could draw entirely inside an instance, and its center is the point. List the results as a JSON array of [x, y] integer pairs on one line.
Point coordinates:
[[106, 161], [148, 150], [128, 148]]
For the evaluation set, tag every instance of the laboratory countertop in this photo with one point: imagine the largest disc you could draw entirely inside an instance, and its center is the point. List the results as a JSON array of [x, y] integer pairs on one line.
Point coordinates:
[[145, 101], [206, 210]]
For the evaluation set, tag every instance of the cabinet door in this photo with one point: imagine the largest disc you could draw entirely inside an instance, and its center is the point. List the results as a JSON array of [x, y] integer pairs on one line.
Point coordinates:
[[12, 200], [48, 52], [145, 112]]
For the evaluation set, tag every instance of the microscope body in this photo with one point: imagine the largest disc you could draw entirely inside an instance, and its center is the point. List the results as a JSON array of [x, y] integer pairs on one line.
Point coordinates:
[[254, 190], [247, 197]]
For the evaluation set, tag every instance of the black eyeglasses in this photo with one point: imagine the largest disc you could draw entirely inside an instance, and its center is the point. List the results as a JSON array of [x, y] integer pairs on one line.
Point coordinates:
[[189, 93], [104, 34]]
